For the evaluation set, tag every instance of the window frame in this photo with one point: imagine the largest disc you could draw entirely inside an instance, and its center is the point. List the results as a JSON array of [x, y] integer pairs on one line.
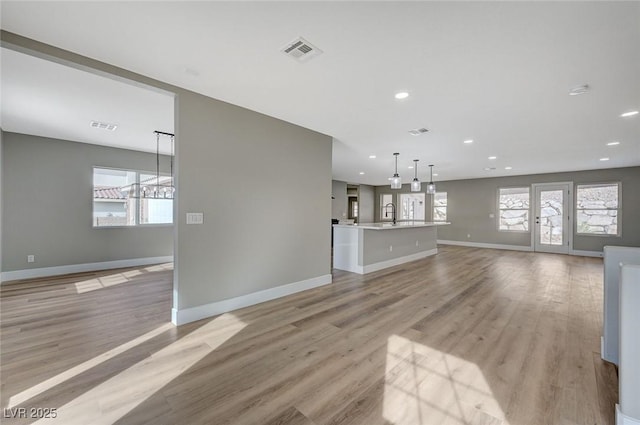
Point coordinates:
[[399, 213], [382, 204], [433, 206], [137, 224], [618, 209], [498, 209]]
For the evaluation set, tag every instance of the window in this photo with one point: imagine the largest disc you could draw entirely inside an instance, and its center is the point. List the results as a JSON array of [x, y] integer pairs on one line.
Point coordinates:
[[385, 199], [598, 209], [412, 206], [513, 204], [115, 203], [440, 206]]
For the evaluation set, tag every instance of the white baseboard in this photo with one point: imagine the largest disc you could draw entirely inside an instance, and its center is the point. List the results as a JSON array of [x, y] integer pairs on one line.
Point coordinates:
[[395, 261], [622, 419], [187, 315], [78, 268], [599, 254], [486, 245], [515, 247]]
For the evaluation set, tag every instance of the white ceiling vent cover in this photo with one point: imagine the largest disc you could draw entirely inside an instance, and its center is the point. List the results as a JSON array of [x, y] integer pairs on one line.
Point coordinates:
[[418, 131], [300, 50], [103, 125]]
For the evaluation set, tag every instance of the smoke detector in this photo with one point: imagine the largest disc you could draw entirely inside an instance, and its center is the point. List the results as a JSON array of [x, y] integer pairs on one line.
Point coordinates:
[[300, 50], [103, 125], [418, 131]]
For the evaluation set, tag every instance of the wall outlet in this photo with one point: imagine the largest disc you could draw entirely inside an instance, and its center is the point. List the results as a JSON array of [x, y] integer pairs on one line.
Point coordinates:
[[31, 258], [417, 243], [492, 215], [468, 235], [390, 248]]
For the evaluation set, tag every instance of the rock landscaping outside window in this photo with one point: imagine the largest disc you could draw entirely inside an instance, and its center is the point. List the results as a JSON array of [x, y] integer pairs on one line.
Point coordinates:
[[514, 209], [597, 209]]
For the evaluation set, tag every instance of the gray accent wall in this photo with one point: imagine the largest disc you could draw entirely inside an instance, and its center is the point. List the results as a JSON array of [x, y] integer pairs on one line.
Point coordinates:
[[339, 201], [47, 202], [366, 201], [263, 185], [471, 201]]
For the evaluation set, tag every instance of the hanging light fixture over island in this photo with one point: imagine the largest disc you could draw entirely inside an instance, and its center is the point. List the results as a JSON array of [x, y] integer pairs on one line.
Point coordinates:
[[415, 184], [396, 181], [431, 187]]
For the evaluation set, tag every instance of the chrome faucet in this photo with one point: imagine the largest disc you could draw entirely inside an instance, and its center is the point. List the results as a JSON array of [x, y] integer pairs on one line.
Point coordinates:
[[393, 211]]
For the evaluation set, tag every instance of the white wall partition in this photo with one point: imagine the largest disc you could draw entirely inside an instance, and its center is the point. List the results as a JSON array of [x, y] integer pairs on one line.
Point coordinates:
[[628, 411], [613, 256]]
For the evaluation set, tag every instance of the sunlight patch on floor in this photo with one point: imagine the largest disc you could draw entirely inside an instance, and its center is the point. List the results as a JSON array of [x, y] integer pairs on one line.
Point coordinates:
[[117, 278], [83, 367], [114, 398], [426, 386]]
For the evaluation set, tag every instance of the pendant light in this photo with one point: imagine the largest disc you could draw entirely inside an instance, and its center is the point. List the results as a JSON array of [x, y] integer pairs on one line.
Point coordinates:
[[157, 187], [396, 181], [431, 187], [415, 184]]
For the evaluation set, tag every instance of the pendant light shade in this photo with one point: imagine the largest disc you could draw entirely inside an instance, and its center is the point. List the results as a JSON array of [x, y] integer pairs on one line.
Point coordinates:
[[396, 181], [431, 187], [415, 184]]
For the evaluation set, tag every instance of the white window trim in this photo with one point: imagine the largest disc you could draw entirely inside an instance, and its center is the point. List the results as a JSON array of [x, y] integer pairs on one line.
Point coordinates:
[[381, 211], [498, 209], [433, 199], [137, 217], [619, 209]]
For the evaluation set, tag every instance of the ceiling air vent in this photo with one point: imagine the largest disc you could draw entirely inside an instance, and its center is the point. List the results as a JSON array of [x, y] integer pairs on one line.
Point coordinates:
[[301, 50], [103, 125], [418, 131]]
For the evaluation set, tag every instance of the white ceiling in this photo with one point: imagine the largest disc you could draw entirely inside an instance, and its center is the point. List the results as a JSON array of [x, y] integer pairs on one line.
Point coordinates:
[[47, 99], [494, 72]]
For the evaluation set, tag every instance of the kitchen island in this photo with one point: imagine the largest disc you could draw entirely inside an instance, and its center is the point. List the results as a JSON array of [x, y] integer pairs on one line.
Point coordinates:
[[368, 247]]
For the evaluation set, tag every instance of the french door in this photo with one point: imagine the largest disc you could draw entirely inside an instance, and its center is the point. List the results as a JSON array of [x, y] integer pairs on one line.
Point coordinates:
[[552, 217]]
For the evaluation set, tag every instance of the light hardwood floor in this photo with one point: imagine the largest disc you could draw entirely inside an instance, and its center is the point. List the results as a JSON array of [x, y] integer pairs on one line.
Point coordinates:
[[469, 336]]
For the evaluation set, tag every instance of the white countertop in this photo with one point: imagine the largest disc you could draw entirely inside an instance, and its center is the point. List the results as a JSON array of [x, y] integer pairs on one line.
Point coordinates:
[[388, 225]]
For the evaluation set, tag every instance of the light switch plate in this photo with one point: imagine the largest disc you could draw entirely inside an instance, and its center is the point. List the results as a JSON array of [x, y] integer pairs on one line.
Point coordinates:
[[195, 218]]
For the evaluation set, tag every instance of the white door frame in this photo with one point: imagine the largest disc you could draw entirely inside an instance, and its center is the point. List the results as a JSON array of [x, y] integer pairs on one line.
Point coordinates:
[[569, 214]]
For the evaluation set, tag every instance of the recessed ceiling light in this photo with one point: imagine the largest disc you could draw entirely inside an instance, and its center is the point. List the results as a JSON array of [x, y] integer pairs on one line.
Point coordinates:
[[435, 174], [629, 114], [468, 142], [613, 143], [579, 90], [361, 172], [493, 157], [401, 95], [508, 168], [410, 167], [372, 157], [604, 159], [489, 168]]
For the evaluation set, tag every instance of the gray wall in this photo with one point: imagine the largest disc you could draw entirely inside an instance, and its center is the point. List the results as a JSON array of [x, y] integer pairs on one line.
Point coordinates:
[[47, 202], [366, 201], [253, 237], [264, 187], [471, 201], [339, 202], [1, 200]]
